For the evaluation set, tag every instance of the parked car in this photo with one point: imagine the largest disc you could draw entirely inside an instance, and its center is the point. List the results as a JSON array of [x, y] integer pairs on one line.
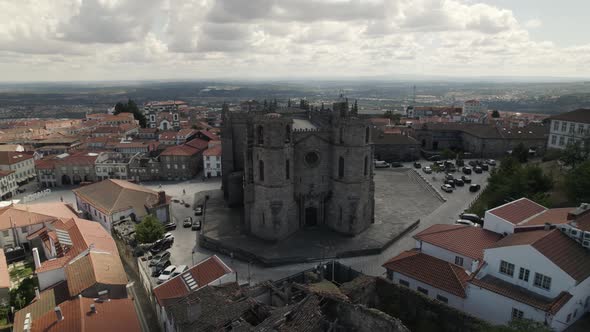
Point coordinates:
[[427, 170], [466, 222], [459, 182], [477, 169], [158, 268], [188, 222], [435, 158], [198, 210], [471, 217], [474, 187], [196, 225], [175, 200], [450, 183], [179, 270], [417, 165], [161, 245], [166, 274], [449, 176], [164, 255], [396, 164], [170, 226], [187, 205], [466, 179], [472, 163], [381, 164], [168, 236], [459, 163], [491, 162], [451, 169], [466, 170], [446, 188], [485, 167]]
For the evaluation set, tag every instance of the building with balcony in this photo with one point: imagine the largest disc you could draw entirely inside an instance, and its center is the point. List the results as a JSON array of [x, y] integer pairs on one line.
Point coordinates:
[[568, 128]]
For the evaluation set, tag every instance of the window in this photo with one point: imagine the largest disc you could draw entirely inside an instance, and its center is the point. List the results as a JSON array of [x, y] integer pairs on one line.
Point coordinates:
[[287, 134], [261, 170], [580, 128], [5, 233], [523, 274], [572, 128], [442, 298], [561, 140], [340, 168], [506, 268], [575, 313], [366, 165], [542, 281], [564, 126], [367, 135], [287, 169], [553, 139], [23, 229], [459, 260], [569, 317], [423, 290], [260, 135], [341, 135], [404, 283], [517, 314]]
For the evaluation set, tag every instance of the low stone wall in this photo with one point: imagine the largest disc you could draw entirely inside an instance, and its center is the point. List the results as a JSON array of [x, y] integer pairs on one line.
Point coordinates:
[[358, 317], [416, 311]]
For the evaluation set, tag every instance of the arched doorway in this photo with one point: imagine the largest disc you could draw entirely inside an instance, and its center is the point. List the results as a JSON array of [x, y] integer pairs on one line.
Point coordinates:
[[77, 179], [65, 180], [311, 216]]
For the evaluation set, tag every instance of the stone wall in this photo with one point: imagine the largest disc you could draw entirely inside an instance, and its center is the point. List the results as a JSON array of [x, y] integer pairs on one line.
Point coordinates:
[[419, 313], [397, 152], [357, 317]]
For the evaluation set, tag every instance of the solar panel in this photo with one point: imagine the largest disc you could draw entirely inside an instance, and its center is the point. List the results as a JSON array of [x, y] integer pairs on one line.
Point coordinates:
[[190, 281], [63, 237]]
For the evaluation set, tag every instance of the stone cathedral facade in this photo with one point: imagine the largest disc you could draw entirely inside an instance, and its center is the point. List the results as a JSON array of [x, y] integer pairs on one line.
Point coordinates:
[[292, 168]]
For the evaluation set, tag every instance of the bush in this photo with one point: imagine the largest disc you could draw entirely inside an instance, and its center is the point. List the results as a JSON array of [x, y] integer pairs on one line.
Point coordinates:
[[577, 182], [149, 230], [23, 294]]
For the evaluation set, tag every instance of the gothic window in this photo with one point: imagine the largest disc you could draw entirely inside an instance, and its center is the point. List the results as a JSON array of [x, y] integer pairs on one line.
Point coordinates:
[[367, 133], [287, 134], [340, 168], [341, 135], [287, 169], [261, 170], [366, 165], [260, 135]]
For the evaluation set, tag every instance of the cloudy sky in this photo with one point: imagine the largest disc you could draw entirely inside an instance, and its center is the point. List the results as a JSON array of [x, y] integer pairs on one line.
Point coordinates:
[[56, 40]]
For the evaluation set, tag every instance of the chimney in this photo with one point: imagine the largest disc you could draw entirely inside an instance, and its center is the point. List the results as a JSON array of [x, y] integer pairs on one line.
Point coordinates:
[[547, 226], [37, 292], [92, 308], [161, 197], [59, 315], [36, 258]]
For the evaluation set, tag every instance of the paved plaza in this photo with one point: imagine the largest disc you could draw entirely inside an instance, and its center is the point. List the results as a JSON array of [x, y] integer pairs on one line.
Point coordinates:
[[186, 249]]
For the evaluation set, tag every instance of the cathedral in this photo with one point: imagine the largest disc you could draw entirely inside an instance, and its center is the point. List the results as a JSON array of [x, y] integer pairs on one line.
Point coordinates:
[[295, 168]]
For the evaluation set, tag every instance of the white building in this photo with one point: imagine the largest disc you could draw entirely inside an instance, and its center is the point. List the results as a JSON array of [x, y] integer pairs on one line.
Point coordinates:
[[526, 268], [22, 163], [472, 107], [8, 184], [212, 160], [568, 127]]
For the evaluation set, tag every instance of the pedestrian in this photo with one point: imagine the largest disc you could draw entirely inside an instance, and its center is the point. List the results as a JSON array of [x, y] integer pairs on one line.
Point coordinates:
[[61, 198], [183, 192]]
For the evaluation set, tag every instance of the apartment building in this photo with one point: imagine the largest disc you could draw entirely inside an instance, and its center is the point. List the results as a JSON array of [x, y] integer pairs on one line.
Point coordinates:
[[212, 159], [568, 128], [21, 163]]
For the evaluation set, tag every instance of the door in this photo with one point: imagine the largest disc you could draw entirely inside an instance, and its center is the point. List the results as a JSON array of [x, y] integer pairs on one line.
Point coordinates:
[[311, 216]]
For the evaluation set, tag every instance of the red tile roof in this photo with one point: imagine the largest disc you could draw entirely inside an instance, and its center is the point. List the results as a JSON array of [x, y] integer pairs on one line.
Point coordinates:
[[583, 222], [112, 315], [521, 294], [563, 251], [204, 273], [167, 135], [430, 270], [517, 211], [102, 268], [198, 143], [211, 136], [180, 150], [551, 216], [213, 151], [464, 240], [11, 157]]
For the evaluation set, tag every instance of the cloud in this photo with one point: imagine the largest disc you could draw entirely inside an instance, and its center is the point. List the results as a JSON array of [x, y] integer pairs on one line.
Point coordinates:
[[106, 39]]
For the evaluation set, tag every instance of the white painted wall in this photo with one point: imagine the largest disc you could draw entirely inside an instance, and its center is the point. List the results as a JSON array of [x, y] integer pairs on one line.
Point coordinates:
[[529, 258], [578, 304], [496, 224], [444, 254], [454, 301], [49, 278], [496, 308]]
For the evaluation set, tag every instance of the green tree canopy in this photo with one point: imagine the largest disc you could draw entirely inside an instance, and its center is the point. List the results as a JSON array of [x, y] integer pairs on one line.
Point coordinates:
[[393, 117], [521, 153], [577, 182], [576, 153], [24, 293], [131, 107], [495, 114], [149, 230]]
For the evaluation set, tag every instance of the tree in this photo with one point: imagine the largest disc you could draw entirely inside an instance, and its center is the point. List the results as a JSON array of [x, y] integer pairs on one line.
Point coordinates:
[[577, 182], [495, 114], [131, 107], [149, 230], [393, 117], [24, 293], [448, 154], [575, 153], [521, 153]]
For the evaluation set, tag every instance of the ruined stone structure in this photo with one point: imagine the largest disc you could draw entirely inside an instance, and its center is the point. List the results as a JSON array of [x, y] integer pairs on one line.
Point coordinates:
[[294, 168]]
